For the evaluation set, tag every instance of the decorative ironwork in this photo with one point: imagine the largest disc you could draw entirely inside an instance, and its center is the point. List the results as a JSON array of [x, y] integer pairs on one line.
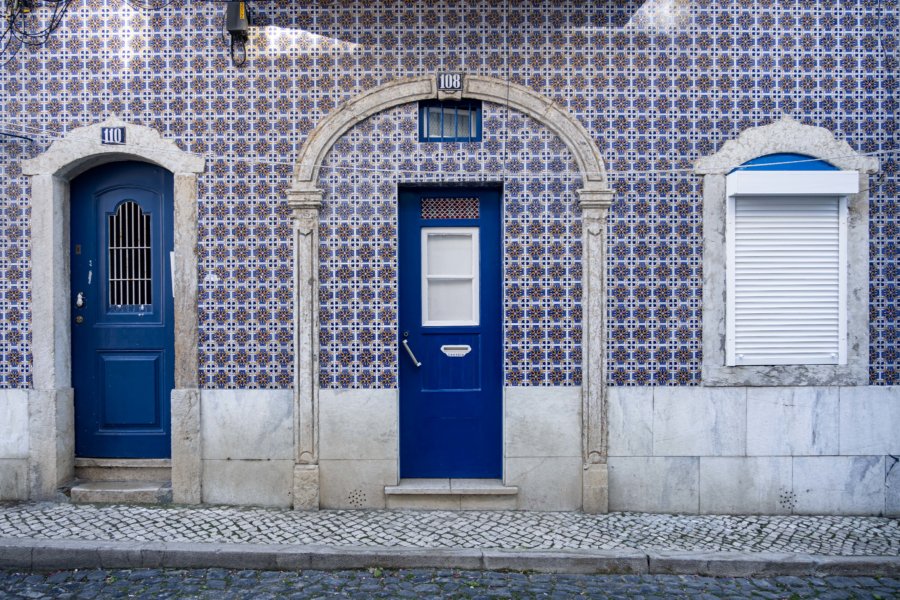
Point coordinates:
[[130, 256]]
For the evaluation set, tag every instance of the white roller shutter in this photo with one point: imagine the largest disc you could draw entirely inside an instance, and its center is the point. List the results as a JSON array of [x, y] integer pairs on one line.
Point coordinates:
[[786, 280]]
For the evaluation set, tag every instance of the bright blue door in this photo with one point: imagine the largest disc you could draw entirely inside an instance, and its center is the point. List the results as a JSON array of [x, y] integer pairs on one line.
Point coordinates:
[[450, 340], [122, 310]]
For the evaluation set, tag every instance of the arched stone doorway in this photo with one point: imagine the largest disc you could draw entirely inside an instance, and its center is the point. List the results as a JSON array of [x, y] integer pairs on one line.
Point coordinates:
[[51, 455], [305, 199]]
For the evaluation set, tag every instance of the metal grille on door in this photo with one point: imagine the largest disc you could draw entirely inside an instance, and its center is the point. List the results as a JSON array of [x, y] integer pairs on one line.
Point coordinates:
[[450, 208], [129, 256]]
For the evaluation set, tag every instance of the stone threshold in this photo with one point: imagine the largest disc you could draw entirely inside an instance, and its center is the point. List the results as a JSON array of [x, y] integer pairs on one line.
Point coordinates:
[[451, 487], [123, 469], [131, 463], [124, 492]]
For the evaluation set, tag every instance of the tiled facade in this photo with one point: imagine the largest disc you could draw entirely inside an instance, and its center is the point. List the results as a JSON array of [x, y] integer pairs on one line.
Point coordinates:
[[657, 83], [358, 258]]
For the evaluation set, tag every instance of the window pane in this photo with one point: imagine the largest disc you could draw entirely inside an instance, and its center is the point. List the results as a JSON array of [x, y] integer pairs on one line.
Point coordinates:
[[464, 126], [449, 254], [449, 122], [434, 123], [450, 301]]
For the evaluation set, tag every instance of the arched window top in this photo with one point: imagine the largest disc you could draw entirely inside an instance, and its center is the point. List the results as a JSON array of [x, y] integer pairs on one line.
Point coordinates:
[[786, 161]]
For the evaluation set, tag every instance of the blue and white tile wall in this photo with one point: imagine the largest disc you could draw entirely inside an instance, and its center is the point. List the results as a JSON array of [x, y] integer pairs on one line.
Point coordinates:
[[358, 259], [659, 83]]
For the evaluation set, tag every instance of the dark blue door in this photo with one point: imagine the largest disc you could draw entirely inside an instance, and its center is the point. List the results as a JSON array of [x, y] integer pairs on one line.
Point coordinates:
[[122, 310], [450, 340]]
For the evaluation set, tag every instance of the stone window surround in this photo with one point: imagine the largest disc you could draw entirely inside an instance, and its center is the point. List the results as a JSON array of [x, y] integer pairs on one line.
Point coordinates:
[[51, 399], [784, 136], [305, 200]]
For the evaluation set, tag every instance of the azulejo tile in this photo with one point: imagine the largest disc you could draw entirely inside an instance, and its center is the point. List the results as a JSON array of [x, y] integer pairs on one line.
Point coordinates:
[[656, 88]]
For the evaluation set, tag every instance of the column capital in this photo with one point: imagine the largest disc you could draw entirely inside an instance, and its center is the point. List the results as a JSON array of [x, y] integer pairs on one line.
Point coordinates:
[[594, 200], [304, 201]]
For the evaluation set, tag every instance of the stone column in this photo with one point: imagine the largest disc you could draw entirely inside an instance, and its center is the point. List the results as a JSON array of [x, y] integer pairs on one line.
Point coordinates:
[[187, 469], [595, 487], [50, 402], [305, 205]]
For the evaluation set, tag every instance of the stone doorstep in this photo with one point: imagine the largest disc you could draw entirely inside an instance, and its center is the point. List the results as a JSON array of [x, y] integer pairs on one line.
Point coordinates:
[[451, 487], [121, 492], [123, 469], [451, 494]]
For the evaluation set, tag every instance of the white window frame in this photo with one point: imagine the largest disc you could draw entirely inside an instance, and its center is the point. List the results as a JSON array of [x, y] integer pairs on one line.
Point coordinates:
[[475, 277]]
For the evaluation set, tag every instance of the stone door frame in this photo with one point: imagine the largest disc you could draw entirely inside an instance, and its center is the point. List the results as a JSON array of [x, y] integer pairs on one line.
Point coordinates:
[[51, 398], [305, 200]]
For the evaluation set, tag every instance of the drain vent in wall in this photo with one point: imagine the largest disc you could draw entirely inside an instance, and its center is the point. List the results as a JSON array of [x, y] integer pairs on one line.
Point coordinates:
[[357, 499], [787, 499]]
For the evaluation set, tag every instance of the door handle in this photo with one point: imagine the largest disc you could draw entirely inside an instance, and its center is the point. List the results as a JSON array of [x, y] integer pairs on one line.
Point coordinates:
[[411, 355], [79, 300]]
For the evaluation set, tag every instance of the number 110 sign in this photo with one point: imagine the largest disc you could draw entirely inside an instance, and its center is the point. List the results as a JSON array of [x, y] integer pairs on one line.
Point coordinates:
[[450, 82]]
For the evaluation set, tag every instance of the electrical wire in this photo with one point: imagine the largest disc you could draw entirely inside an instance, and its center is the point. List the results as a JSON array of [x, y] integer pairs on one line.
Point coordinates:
[[30, 129], [24, 28]]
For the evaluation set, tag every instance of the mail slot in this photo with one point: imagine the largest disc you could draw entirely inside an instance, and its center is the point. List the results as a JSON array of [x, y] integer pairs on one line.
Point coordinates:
[[456, 351]]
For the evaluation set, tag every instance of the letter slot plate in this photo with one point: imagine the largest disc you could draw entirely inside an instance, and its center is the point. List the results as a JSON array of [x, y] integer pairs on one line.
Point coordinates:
[[456, 351]]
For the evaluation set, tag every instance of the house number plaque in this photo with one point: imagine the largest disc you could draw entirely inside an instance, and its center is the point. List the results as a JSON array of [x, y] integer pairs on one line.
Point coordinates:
[[450, 82], [114, 136]]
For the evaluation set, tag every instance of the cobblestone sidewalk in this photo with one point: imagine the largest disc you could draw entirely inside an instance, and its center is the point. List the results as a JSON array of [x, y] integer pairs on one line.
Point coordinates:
[[835, 536]]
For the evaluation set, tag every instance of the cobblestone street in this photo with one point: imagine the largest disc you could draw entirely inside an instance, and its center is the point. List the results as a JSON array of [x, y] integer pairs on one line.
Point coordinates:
[[845, 536], [423, 583]]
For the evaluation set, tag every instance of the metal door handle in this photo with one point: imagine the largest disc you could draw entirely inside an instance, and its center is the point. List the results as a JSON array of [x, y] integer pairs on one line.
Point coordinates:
[[411, 355], [79, 300]]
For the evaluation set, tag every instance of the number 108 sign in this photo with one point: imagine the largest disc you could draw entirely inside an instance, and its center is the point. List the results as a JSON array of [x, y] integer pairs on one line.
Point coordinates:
[[450, 82]]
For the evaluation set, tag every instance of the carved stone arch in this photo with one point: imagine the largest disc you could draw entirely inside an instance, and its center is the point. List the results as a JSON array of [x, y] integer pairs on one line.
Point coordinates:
[[51, 409], [787, 135], [477, 87], [305, 200]]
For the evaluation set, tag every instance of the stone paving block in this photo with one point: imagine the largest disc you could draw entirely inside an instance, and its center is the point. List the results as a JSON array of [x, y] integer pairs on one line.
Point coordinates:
[[855, 566], [70, 554], [732, 564], [394, 558], [15, 554], [571, 561]]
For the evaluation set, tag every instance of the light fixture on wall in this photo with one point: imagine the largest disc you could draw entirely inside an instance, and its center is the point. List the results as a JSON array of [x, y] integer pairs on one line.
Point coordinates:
[[237, 21]]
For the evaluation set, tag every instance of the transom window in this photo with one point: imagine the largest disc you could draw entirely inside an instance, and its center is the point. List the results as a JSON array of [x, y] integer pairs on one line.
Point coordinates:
[[450, 121]]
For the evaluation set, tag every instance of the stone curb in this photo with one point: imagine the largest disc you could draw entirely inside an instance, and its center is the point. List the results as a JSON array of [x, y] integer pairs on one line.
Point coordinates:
[[45, 555]]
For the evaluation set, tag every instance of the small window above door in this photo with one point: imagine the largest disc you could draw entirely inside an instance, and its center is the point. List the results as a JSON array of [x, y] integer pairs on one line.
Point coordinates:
[[450, 121]]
